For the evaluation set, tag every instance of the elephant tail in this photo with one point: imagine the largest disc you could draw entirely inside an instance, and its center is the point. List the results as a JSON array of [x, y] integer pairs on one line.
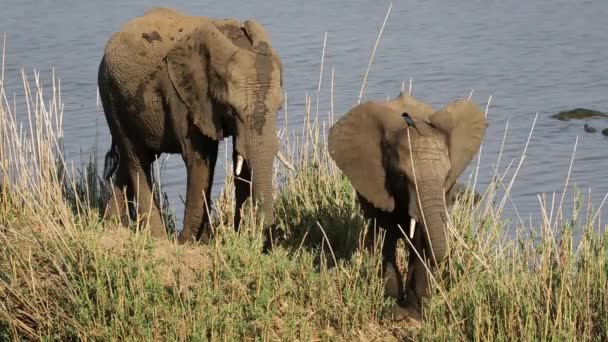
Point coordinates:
[[111, 161]]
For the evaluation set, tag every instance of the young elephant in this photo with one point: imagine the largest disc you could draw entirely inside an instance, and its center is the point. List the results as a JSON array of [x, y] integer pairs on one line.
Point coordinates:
[[172, 83], [402, 157]]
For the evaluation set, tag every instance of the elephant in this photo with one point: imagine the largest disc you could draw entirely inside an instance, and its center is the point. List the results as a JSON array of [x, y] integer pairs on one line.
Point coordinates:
[[402, 157], [178, 84]]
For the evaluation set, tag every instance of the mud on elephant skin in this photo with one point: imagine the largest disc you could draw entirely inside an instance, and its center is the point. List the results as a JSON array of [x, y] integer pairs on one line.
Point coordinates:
[[173, 83], [391, 152]]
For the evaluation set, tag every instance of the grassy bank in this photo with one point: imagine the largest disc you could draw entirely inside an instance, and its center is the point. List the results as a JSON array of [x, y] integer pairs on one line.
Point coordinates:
[[65, 275]]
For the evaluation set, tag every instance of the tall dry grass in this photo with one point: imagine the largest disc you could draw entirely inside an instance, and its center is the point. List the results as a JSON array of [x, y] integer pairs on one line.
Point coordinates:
[[64, 274]]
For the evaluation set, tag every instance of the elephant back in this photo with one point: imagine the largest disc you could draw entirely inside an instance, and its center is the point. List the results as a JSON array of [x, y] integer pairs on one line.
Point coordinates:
[[135, 52]]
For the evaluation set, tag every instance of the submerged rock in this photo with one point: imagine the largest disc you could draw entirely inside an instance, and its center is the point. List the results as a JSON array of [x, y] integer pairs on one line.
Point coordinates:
[[579, 113], [589, 129], [605, 132]]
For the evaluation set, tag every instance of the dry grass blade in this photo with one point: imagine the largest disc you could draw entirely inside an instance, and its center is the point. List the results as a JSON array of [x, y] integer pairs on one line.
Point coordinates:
[[561, 201], [371, 58]]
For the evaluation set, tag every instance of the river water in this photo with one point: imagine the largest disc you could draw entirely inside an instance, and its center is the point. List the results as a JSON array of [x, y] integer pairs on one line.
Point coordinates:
[[530, 57]]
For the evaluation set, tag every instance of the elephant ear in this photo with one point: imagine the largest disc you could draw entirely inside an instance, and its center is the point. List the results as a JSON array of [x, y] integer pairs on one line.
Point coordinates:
[[464, 124], [258, 36], [197, 67], [355, 143]]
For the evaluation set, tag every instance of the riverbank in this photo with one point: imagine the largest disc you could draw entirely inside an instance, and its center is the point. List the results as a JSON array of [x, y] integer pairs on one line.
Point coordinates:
[[65, 274]]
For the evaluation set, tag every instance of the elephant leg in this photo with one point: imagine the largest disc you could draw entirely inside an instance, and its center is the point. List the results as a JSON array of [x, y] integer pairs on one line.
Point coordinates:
[[117, 203], [417, 283], [242, 188], [393, 280], [140, 175], [200, 165]]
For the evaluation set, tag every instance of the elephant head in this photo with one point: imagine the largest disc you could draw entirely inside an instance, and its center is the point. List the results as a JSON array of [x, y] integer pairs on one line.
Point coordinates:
[[230, 78], [391, 162]]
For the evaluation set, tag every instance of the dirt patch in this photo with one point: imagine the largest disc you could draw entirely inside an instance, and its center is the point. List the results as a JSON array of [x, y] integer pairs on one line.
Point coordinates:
[[114, 240], [178, 265], [233, 31]]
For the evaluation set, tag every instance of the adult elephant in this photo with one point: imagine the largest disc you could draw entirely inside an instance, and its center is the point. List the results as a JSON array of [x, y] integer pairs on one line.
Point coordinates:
[[402, 157], [173, 83]]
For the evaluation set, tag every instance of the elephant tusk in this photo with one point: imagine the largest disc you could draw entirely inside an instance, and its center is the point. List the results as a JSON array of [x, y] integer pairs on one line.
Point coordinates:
[[285, 162], [412, 227], [239, 164]]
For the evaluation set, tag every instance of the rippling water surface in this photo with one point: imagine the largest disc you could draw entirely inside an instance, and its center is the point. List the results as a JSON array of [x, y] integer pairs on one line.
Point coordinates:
[[530, 56]]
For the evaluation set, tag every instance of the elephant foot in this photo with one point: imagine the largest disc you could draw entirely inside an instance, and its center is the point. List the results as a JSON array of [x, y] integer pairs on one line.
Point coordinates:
[[181, 239], [117, 220], [272, 237], [114, 216], [204, 237], [267, 246], [402, 309], [392, 281], [406, 313], [409, 309], [269, 243]]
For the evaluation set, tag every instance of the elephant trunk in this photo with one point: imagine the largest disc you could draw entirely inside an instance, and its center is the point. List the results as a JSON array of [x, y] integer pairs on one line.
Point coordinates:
[[261, 157], [432, 201]]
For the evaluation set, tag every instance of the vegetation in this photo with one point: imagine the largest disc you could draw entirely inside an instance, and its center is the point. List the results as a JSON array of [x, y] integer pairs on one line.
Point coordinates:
[[65, 274]]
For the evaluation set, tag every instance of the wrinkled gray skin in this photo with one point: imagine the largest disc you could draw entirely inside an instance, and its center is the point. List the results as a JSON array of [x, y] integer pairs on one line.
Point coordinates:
[[402, 170], [172, 83]]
